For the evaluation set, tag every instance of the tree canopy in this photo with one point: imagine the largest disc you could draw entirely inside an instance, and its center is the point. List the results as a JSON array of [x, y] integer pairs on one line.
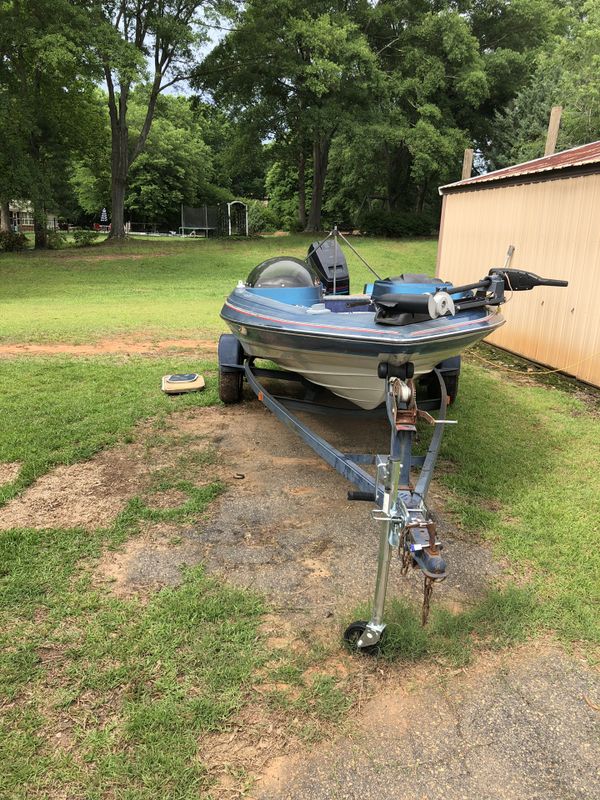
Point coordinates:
[[330, 109]]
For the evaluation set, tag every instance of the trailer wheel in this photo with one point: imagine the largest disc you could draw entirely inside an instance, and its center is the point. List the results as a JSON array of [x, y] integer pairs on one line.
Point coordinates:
[[429, 384], [231, 356], [353, 633], [230, 387], [451, 382]]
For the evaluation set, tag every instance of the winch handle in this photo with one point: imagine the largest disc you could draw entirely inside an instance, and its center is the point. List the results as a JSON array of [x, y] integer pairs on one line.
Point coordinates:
[[518, 280]]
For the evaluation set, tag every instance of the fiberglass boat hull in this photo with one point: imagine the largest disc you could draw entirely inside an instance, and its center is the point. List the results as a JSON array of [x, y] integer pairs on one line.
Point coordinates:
[[341, 351]]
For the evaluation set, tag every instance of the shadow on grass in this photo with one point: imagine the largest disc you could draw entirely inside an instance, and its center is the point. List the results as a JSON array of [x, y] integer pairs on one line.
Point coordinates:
[[504, 617]]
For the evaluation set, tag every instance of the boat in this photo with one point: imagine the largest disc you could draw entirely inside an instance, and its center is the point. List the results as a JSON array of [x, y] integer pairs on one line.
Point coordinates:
[[340, 342], [370, 349]]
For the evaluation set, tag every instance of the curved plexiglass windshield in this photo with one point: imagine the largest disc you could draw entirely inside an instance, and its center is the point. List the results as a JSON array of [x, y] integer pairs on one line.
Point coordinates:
[[282, 272]]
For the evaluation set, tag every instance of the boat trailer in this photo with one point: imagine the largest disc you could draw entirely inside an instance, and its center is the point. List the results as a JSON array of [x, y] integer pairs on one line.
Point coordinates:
[[405, 522]]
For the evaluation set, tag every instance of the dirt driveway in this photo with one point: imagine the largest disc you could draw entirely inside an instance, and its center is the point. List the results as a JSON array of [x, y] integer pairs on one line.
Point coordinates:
[[521, 724]]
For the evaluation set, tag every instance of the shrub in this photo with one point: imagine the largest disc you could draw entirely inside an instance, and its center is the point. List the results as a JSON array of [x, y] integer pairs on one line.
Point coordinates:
[[11, 241], [84, 238], [379, 222], [55, 240], [260, 218]]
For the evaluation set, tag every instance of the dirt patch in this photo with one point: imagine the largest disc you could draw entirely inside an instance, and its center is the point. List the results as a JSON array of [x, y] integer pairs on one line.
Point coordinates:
[[92, 493], [87, 495], [123, 346], [146, 563], [9, 471], [169, 499], [288, 529], [285, 528]]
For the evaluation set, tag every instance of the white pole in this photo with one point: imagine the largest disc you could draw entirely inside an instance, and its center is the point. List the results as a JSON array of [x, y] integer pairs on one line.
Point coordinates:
[[229, 217], [247, 233]]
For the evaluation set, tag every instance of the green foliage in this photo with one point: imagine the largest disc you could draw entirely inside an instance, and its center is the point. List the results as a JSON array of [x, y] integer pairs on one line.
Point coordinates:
[[521, 128], [282, 191], [579, 55], [148, 48], [46, 83], [261, 219], [567, 75], [84, 238], [319, 74], [55, 240], [11, 241], [177, 165], [380, 222]]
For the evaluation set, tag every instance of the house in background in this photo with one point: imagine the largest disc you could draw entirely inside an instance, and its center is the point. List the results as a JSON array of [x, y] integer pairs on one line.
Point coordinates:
[[549, 209], [21, 218]]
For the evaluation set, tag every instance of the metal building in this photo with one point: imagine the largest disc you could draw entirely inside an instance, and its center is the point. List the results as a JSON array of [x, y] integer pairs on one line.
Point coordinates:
[[549, 209]]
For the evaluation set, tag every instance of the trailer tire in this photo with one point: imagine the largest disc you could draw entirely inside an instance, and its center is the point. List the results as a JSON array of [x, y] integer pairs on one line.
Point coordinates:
[[451, 382], [230, 387]]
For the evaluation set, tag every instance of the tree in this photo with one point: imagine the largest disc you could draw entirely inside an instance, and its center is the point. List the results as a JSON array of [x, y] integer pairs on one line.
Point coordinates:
[[566, 74], [46, 79], [144, 42], [297, 73], [176, 166], [448, 71]]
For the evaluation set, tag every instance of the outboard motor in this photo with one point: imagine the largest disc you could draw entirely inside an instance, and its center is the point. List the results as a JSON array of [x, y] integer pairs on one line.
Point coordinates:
[[327, 259]]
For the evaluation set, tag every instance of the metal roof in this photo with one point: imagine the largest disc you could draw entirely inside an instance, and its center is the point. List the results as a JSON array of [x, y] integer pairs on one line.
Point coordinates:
[[575, 157]]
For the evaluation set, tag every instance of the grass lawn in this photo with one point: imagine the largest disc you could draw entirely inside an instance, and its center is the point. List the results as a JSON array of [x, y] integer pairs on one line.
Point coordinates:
[[102, 696], [156, 289]]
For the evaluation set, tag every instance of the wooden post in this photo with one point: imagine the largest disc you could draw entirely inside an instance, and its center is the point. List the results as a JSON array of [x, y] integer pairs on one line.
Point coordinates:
[[467, 164], [553, 127]]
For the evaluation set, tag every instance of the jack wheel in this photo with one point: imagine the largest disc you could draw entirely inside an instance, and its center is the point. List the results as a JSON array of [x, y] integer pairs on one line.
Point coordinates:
[[230, 387], [353, 633]]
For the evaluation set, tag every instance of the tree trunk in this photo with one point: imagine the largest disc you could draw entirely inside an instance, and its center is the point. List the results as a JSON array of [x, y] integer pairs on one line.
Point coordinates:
[[421, 198], [320, 160], [40, 227], [4, 216], [302, 189], [119, 168]]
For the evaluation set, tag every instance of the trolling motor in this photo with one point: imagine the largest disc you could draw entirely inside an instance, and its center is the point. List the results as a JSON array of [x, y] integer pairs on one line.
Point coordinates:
[[490, 291]]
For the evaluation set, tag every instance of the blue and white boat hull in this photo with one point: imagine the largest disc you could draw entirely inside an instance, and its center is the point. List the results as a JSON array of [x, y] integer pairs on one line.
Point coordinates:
[[341, 350]]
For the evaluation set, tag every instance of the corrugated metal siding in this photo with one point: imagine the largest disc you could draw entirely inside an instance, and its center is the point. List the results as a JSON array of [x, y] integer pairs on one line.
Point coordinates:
[[555, 227]]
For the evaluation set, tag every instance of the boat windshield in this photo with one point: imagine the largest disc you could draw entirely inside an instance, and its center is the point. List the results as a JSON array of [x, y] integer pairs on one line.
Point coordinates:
[[282, 272]]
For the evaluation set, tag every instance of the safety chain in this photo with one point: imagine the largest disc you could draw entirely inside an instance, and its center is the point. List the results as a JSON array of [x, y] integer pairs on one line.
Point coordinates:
[[406, 557], [427, 592], [404, 554]]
